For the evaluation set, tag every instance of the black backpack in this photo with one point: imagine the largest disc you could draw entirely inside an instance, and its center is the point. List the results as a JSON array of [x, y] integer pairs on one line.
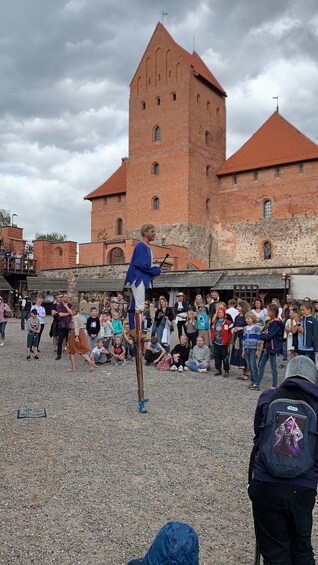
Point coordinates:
[[287, 438]]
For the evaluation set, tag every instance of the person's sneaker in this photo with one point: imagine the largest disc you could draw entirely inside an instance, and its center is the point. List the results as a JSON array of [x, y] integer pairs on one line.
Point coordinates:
[[124, 362], [28, 357], [1, 343], [116, 363], [180, 369], [217, 373], [253, 387], [202, 370], [58, 358], [226, 374], [185, 368], [36, 357], [173, 368]]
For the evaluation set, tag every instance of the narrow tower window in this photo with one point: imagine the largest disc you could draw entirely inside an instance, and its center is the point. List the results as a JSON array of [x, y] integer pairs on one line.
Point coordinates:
[[155, 203], [207, 138], [173, 96], [119, 226], [155, 168], [158, 101], [267, 250], [157, 134], [267, 209]]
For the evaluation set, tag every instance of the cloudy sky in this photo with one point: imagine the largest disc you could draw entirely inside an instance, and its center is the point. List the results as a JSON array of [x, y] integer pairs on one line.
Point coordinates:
[[65, 70]]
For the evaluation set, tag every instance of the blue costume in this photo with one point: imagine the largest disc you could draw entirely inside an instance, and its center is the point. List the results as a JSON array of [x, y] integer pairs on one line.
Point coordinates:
[[139, 276]]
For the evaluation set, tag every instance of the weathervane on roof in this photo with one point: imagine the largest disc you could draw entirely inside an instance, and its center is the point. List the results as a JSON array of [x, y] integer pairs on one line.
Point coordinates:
[[163, 16], [276, 98]]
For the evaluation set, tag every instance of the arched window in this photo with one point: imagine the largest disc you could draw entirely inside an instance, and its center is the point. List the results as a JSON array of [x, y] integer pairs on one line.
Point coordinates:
[[267, 209], [155, 203], [143, 105], [207, 138], [116, 255], [158, 101], [173, 96], [208, 205], [157, 133], [119, 226], [207, 170], [155, 168], [267, 250]]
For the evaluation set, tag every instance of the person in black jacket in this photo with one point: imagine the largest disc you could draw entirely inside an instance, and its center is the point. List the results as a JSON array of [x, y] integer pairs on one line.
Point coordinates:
[[93, 328], [163, 318], [180, 354], [181, 309]]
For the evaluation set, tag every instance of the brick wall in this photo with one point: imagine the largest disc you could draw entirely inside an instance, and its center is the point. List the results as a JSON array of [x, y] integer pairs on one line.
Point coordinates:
[[51, 255], [106, 212], [12, 239]]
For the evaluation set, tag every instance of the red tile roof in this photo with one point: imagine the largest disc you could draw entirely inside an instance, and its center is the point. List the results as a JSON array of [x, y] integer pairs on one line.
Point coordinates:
[[276, 142], [116, 184], [193, 60]]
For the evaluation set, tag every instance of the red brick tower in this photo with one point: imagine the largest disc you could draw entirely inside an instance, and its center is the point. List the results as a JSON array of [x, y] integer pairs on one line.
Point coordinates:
[[176, 145]]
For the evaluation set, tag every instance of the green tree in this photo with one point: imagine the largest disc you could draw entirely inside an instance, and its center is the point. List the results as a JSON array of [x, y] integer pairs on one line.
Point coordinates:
[[53, 236], [5, 217]]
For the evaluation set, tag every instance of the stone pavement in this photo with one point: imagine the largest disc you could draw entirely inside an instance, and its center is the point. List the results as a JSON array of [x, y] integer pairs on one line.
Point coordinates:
[[94, 481]]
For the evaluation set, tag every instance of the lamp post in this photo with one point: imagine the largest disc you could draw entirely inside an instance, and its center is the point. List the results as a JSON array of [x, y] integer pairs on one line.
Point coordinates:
[[12, 219]]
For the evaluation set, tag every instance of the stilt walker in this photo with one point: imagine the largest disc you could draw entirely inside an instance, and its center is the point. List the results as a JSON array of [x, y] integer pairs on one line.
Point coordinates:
[[139, 277]]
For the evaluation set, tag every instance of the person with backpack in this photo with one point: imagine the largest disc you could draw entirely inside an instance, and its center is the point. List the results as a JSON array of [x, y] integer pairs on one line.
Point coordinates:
[[283, 472]]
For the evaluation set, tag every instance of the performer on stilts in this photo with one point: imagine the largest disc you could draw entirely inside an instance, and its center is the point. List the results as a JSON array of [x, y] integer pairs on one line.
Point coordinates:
[[139, 277]]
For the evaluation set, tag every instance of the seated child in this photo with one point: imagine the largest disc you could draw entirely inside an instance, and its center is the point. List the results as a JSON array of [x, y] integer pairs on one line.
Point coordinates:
[[100, 354], [119, 351], [154, 351]]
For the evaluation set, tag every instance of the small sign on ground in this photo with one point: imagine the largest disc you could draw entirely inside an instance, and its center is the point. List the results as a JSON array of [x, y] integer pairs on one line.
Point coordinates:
[[31, 413]]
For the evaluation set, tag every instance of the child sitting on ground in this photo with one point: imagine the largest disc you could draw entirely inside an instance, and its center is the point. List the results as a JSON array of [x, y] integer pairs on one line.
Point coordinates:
[[119, 351], [100, 355], [154, 351], [34, 328]]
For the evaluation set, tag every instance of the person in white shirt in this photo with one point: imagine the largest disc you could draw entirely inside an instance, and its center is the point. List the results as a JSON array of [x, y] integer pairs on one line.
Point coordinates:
[[232, 310], [41, 315]]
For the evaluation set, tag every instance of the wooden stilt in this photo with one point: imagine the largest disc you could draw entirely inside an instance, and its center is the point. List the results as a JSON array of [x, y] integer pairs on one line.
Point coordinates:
[[139, 363]]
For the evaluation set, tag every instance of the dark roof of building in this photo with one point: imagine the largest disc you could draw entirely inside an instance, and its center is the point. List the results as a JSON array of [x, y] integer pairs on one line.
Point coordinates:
[[189, 279], [276, 142], [193, 60], [263, 281], [99, 285], [4, 285], [116, 184], [46, 283]]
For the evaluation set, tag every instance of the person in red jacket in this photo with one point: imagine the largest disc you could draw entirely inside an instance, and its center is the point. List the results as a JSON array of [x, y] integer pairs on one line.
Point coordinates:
[[221, 338]]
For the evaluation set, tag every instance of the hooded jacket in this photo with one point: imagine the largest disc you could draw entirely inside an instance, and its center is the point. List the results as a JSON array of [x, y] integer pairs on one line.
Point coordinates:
[[308, 479], [175, 544], [310, 325]]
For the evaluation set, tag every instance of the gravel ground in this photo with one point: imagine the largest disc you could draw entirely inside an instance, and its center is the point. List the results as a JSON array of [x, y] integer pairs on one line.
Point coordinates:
[[94, 481]]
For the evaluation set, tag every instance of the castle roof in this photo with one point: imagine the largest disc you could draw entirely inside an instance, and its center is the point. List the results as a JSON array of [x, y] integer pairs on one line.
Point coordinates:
[[276, 142], [194, 60], [116, 184]]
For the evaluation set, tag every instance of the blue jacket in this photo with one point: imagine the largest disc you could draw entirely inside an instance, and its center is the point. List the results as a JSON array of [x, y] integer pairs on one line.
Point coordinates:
[[310, 335], [140, 269], [176, 543], [308, 479], [273, 337]]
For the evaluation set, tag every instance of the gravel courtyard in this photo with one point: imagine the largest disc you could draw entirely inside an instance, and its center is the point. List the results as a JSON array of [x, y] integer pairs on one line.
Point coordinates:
[[94, 481]]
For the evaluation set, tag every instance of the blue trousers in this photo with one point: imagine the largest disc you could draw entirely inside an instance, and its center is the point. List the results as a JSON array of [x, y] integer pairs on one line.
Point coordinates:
[[250, 358], [261, 367], [283, 522], [25, 315]]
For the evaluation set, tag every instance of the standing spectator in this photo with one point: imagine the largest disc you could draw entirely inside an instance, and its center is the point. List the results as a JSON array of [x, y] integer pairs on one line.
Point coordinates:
[[4, 310], [251, 345], [16, 301], [292, 338], [146, 320], [41, 315], [26, 306], [92, 328], [181, 308], [128, 343], [315, 314], [163, 319], [307, 328], [78, 343], [198, 302], [191, 328], [117, 324], [237, 358], [280, 310], [259, 311], [282, 507], [105, 306], [180, 354], [232, 310], [272, 335], [215, 300], [203, 324], [34, 328], [64, 311], [54, 330], [200, 359], [221, 336], [106, 329]]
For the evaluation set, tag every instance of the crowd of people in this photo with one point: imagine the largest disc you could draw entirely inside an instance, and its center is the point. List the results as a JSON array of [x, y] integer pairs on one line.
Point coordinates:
[[236, 334]]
